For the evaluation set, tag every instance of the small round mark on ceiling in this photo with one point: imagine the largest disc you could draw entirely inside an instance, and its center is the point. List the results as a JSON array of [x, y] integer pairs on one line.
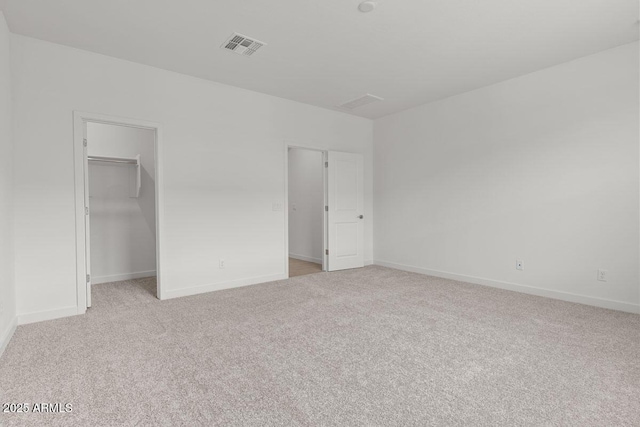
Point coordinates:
[[367, 6]]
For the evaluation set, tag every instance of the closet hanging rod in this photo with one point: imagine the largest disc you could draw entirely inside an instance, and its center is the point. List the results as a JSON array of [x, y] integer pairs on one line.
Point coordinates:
[[113, 160], [135, 161]]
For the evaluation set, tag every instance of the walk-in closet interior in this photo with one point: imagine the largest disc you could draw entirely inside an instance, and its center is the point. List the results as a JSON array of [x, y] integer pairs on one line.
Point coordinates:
[[122, 213]]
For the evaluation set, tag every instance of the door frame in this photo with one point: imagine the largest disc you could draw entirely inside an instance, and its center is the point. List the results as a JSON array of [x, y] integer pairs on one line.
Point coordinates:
[[80, 119], [325, 231]]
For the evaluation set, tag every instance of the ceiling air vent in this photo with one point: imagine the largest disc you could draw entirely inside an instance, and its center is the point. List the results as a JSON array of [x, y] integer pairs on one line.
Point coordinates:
[[242, 45], [359, 102]]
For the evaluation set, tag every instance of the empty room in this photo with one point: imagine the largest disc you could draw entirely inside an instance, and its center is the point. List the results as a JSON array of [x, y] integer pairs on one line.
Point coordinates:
[[332, 213]]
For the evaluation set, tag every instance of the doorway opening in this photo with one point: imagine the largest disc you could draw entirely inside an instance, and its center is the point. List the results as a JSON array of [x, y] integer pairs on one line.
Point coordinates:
[[306, 211], [324, 220], [117, 192]]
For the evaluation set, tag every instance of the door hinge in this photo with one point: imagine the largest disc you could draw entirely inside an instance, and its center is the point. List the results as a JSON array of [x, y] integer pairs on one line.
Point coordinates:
[[86, 210], [326, 208], [326, 164], [84, 142], [326, 251], [88, 278]]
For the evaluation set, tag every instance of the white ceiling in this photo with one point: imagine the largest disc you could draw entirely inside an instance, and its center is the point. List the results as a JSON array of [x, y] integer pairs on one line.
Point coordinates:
[[326, 52]]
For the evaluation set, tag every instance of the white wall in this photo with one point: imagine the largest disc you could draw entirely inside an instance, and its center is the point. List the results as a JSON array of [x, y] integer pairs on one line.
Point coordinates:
[[306, 204], [223, 170], [123, 228], [542, 168], [7, 291]]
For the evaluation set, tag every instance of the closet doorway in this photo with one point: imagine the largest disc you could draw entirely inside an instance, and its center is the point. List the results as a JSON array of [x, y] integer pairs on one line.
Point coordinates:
[[118, 230]]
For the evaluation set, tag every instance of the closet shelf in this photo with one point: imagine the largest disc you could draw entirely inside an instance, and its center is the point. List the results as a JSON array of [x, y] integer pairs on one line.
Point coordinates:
[[133, 161], [130, 161]]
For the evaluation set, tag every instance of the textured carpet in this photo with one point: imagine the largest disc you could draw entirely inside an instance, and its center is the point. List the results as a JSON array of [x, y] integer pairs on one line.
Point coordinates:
[[373, 346]]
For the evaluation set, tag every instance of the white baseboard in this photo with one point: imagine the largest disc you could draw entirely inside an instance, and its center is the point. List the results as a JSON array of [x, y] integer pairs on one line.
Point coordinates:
[[194, 290], [119, 277], [40, 316], [319, 260], [7, 334], [532, 290], [306, 258]]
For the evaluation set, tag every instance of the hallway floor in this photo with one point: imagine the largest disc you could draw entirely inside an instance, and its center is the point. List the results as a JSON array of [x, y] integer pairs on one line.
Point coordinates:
[[300, 268]]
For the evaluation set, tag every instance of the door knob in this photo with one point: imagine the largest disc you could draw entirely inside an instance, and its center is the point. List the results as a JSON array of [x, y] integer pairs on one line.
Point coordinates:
[[360, 216]]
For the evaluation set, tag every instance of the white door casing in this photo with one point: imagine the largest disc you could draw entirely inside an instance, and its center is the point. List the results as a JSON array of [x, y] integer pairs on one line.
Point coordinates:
[[87, 215], [345, 210], [83, 248]]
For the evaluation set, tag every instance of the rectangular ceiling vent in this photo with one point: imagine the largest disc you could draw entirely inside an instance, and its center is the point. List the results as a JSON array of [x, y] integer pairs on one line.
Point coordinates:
[[242, 45], [359, 102]]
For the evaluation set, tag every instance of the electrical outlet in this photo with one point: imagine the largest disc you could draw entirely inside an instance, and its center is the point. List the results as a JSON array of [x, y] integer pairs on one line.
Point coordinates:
[[602, 275], [519, 265], [221, 263]]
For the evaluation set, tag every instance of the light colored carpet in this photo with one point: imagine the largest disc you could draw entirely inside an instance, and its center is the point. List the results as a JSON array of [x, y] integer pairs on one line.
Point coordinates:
[[372, 346]]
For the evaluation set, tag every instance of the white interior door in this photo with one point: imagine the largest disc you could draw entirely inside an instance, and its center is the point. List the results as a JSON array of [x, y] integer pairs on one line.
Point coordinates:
[[346, 211], [87, 218]]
